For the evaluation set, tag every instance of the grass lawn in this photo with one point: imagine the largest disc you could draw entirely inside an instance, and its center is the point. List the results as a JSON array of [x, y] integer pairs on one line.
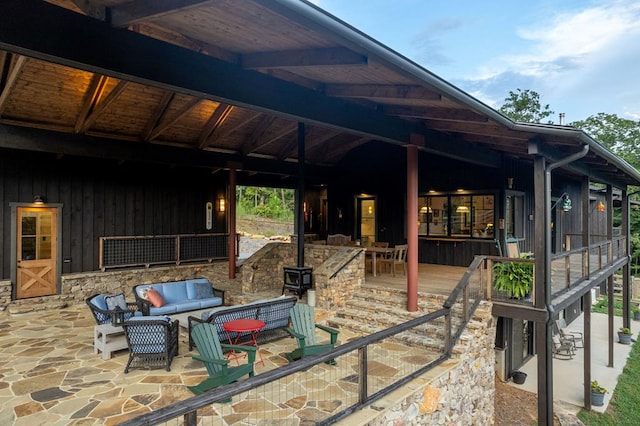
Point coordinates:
[[624, 407]]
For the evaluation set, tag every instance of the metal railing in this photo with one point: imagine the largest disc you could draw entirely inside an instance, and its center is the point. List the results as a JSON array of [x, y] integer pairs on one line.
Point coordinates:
[[361, 374], [119, 252]]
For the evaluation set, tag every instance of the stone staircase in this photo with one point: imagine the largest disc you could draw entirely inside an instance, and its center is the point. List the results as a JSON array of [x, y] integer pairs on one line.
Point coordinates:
[[374, 309]]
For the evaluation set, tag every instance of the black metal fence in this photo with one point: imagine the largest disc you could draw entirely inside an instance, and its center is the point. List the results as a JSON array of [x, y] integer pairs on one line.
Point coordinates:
[[120, 252]]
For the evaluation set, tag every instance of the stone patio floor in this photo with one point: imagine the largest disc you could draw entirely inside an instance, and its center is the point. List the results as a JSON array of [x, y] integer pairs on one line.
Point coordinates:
[[51, 376]]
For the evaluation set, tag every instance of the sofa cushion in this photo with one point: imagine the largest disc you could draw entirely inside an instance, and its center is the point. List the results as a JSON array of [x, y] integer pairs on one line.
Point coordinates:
[[116, 301], [164, 310], [174, 292], [155, 298], [210, 302], [99, 302], [199, 288]]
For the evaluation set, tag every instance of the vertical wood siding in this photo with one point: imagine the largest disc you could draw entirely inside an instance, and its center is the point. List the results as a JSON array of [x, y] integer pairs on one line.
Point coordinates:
[[103, 198]]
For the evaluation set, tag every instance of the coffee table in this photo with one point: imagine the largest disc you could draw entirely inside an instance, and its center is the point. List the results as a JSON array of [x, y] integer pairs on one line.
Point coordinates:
[[249, 328], [108, 338]]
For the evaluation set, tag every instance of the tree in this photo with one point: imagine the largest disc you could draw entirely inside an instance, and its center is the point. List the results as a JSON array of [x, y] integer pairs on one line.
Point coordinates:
[[525, 106], [617, 134]]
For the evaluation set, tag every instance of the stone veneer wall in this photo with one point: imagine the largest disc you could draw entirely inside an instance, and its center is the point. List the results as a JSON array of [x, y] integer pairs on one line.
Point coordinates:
[[337, 271], [461, 391]]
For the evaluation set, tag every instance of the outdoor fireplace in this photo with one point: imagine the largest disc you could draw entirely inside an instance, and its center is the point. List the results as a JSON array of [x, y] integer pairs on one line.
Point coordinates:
[[298, 279]]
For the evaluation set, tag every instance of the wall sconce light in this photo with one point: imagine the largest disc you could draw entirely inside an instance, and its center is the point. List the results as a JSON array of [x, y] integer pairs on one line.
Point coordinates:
[[601, 207], [38, 199], [222, 205], [510, 182], [370, 210]]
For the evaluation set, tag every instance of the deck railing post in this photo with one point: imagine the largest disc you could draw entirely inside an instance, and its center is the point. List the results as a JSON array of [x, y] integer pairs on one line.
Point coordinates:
[[447, 333], [363, 392], [191, 418]]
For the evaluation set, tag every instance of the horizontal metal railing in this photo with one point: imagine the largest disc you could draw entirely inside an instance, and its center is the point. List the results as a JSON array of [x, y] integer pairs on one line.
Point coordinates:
[[419, 345], [128, 251]]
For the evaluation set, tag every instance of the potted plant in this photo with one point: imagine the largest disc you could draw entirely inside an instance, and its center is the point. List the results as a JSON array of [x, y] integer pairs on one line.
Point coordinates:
[[624, 336], [597, 394], [519, 377], [636, 312], [513, 278]]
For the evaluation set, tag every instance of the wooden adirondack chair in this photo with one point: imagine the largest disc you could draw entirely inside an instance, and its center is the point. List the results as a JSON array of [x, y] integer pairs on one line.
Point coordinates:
[[205, 337], [304, 329]]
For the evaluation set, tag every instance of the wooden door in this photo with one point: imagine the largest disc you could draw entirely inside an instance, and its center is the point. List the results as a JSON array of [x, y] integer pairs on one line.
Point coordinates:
[[36, 255]]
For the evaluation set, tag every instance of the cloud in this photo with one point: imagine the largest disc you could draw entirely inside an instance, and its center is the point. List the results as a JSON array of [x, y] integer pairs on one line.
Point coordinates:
[[428, 41]]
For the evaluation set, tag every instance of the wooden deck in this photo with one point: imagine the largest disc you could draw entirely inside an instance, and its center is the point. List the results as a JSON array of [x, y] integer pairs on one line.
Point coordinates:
[[436, 279]]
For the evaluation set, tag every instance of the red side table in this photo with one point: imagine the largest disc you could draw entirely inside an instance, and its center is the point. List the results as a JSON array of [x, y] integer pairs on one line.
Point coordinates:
[[244, 326]]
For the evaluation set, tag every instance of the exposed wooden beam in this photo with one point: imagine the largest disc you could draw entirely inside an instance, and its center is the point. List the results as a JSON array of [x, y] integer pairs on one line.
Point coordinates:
[[265, 122], [152, 62], [381, 91], [21, 138], [102, 106], [216, 120], [91, 8], [136, 11], [157, 114], [166, 122], [12, 78], [230, 129], [447, 114], [91, 98], [302, 58], [287, 130]]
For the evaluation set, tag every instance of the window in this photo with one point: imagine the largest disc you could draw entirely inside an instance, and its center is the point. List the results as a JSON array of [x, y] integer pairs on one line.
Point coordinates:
[[461, 216]]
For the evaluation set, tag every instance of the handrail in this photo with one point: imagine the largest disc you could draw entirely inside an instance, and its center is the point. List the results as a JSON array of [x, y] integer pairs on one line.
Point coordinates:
[[346, 262], [188, 409]]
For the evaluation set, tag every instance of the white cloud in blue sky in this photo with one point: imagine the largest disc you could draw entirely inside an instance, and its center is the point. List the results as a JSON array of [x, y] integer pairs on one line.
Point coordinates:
[[581, 56]]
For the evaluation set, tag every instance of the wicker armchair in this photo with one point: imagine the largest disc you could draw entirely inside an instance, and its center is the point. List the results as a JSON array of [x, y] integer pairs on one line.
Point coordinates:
[[152, 340], [108, 309]]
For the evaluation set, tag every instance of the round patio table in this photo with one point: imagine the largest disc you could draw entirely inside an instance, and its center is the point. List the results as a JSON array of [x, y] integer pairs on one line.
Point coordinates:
[[244, 327]]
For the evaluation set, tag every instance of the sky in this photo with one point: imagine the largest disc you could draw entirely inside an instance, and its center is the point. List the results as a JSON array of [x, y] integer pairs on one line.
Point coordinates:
[[581, 56]]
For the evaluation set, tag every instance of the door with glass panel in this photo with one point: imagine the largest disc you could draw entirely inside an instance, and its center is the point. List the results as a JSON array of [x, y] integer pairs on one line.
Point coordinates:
[[36, 252], [367, 219]]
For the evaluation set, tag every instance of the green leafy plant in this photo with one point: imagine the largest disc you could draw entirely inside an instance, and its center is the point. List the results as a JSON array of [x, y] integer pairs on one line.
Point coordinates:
[[595, 387], [514, 278], [625, 330]]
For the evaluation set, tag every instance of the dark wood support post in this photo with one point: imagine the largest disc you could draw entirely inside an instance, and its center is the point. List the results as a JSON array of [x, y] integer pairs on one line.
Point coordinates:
[[626, 270], [300, 194], [231, 214], [412, 220], [609, 209], [586, 299], [543, 330]]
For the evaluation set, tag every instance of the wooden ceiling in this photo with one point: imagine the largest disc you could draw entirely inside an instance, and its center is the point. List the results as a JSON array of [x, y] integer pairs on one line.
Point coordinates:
[[231, 79]]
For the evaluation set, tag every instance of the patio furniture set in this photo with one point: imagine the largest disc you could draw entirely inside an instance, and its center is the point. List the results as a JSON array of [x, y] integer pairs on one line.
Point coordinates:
[[151, 334]]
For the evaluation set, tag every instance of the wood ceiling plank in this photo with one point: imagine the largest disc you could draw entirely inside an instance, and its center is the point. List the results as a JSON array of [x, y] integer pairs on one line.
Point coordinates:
[[220, 135], [258, 132], [448, 114], [284, 132], [159, 111]]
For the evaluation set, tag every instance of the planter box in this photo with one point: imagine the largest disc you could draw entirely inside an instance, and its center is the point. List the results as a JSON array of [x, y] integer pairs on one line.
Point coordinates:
[[623, 338], [597, 399]]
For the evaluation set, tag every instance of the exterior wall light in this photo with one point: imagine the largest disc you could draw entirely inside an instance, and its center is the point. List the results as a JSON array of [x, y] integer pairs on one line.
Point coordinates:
[[222, 205], [38, 199], [601, 207]]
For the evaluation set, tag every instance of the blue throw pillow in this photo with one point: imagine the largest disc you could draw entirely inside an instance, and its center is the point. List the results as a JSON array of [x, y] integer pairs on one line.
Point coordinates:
[[116, 301], [203, 290]]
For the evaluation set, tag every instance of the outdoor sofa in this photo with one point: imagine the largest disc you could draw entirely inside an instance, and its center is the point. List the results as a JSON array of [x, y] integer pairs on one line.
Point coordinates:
[[275, 313], [177, 296]]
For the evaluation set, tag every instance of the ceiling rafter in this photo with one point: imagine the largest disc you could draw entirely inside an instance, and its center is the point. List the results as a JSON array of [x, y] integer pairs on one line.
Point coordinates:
[[91, 98], [333, 56], [102, 106], [381, 91], [219, 135], [310, 144], [91, 8], [258, 132], [157, 114], [330, 153], [166, 121], [287, 130], [216, 120], [12, 78], [446, 114]]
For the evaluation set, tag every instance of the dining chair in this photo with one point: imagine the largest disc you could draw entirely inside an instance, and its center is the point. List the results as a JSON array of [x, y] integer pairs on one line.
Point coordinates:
[[397, 257]]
